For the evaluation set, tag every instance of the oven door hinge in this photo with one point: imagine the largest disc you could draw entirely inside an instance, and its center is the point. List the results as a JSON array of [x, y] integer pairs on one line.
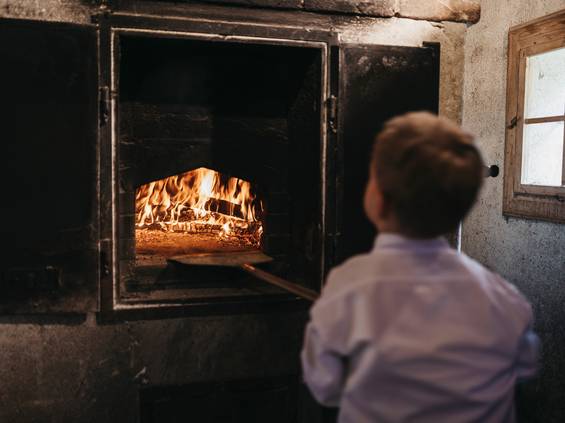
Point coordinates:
[[104, 263], [331, 104], [104, 105]]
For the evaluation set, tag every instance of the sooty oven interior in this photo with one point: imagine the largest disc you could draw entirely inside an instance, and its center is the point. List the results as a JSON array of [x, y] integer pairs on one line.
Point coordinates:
[[220, 146]]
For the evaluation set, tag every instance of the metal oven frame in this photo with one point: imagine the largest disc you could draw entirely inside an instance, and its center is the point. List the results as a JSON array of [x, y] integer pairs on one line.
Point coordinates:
[[112, 304]]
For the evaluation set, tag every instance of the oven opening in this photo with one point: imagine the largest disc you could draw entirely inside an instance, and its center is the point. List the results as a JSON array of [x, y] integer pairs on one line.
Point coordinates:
[[200, 211]]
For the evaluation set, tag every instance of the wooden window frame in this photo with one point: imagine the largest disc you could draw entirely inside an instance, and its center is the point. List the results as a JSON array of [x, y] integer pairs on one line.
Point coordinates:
[[521, 200]]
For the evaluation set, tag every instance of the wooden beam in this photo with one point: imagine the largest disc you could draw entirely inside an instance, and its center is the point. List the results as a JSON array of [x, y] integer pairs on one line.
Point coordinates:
[[467, 11], [379, 8], [441, 10]]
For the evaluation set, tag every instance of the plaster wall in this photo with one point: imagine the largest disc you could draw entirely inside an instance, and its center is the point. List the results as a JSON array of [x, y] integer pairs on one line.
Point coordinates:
[[529, 253], [58, 369]]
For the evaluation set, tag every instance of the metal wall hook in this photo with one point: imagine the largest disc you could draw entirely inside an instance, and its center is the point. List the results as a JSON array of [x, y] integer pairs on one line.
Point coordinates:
[[492, 171]]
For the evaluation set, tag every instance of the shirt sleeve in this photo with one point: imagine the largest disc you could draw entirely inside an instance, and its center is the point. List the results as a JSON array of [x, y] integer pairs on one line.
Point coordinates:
[[528, 351], [322, 368], [326, 340], [526, 362]]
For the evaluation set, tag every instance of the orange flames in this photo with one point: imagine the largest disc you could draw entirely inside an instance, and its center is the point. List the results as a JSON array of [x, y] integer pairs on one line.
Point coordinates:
[[199, 201]]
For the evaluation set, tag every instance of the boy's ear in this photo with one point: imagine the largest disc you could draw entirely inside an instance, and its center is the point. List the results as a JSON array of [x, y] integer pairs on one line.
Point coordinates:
[[377, 206], [382, 205]]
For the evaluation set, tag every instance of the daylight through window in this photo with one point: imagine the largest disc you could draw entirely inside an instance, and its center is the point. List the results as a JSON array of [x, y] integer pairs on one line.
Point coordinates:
[[544, 112]]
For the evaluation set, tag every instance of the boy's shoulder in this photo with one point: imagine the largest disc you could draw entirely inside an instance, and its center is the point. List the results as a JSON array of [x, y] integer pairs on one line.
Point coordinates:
[[350, 273], [373, 268], [372, 288]]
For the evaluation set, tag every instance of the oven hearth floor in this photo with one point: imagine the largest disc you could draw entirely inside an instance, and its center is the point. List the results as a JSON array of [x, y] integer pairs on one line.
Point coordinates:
[[165, 280], [168, 244]]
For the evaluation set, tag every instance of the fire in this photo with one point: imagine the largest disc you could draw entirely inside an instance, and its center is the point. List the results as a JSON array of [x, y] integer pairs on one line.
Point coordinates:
[[200, 201]]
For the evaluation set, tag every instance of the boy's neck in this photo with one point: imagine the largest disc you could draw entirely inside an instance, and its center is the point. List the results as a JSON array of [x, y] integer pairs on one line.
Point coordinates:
[[405, 235], [391, 227], [389, 224]]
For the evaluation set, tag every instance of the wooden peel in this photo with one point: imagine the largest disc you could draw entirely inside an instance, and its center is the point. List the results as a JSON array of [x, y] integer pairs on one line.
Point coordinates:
[[299, 290], [245, 261]]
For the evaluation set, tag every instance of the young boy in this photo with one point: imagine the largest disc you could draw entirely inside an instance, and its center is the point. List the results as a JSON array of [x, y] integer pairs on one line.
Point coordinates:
[[414, 331]]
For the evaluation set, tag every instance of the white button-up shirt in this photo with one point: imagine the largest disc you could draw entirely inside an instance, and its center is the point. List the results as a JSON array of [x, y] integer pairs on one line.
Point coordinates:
[[416, 332]]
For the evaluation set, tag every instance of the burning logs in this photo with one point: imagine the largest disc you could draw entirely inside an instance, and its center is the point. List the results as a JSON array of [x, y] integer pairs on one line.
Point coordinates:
[[245, 229], [200, 202]]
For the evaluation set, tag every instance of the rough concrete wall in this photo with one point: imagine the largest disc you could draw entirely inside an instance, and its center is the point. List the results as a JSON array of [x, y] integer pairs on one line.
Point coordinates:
[[83, 372], [529, 253]]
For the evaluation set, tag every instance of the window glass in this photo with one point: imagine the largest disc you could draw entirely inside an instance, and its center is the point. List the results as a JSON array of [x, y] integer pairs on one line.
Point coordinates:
[[545, 84], [542, 154]]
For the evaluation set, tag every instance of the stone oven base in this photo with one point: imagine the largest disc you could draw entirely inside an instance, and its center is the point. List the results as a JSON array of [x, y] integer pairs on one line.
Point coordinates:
[[273, 400]]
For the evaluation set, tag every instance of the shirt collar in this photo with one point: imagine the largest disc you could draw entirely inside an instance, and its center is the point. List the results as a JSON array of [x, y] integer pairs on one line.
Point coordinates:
[[390, 240]]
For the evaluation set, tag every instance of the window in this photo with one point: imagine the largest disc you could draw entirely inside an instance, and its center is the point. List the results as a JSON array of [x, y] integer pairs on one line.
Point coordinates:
[[534, 185]]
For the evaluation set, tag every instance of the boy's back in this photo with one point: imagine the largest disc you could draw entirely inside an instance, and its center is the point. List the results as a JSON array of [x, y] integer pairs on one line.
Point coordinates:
[[416, 332]]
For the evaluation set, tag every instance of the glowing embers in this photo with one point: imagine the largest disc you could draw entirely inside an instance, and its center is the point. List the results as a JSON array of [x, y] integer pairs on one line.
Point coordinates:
[[200, 202]]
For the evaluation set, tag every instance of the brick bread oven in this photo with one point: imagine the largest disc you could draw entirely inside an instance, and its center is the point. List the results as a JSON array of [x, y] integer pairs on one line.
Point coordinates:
[[286, 113], [155, 90]]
